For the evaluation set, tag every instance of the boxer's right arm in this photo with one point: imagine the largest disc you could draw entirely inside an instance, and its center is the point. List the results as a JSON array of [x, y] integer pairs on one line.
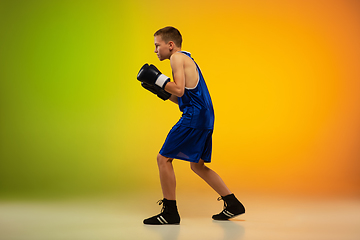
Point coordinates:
[[174, 99]]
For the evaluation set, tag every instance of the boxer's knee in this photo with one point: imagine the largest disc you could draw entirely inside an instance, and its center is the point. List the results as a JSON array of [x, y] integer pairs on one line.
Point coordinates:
[[198, 167], [161, 160]]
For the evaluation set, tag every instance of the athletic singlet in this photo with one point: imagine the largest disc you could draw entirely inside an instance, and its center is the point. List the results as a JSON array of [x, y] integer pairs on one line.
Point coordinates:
[[196, 104]]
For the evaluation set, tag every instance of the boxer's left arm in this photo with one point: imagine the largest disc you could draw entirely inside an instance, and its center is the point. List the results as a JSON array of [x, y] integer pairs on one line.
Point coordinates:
[[177, 87]]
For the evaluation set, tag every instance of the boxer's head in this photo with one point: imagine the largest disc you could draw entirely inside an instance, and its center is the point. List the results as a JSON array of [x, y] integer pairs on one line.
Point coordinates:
[[167, 41]]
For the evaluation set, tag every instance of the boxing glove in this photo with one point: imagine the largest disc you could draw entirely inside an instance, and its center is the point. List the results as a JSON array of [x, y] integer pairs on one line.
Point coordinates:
[[161, 93], [150, 74]]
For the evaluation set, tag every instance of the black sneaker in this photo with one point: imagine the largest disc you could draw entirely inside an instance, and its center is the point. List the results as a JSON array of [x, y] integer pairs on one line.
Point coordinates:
[[169, 214], [232, 208]]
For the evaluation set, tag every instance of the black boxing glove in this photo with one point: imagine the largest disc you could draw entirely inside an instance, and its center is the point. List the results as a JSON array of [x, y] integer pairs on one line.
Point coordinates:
[[161, 93], [150, 74]]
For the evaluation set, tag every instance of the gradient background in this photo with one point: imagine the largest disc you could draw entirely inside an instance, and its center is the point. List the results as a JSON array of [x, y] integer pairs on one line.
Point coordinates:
[[284, 77]]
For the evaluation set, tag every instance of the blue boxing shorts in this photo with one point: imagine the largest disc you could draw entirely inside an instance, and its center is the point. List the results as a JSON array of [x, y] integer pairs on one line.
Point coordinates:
[[188, 144]]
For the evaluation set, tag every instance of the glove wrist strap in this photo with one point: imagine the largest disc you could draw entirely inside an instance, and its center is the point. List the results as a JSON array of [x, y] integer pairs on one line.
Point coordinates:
[[162, 80]]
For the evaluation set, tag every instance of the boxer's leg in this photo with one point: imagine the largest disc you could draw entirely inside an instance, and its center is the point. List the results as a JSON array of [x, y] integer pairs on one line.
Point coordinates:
[[210, 177], [232, 206], [167, 177], [169, 213]]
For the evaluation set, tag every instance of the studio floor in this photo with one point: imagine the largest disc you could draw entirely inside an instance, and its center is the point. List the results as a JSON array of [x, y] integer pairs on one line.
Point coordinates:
[[266, 218]]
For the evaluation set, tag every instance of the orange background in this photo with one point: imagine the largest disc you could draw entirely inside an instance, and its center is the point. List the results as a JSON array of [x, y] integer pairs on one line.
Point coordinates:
[[285, 82]]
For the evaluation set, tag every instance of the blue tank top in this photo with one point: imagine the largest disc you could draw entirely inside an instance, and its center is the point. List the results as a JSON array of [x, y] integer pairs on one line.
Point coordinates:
[[196, 104]]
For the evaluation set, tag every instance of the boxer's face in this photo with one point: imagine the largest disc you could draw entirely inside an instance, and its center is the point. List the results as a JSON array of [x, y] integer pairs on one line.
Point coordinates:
[[162, 49]]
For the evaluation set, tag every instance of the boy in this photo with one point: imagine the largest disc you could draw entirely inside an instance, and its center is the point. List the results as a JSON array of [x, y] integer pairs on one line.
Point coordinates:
[[191, 137]]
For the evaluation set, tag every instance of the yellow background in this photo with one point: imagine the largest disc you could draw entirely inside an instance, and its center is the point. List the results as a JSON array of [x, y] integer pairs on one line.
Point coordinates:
[[284, 77]]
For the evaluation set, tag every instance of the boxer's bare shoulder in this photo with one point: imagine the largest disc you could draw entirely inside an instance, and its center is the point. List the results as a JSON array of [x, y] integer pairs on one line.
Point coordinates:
[[190, 72]]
